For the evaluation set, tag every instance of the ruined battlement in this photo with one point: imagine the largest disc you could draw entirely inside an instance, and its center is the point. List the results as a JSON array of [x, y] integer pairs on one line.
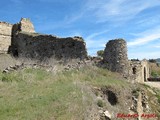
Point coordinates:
[[25, 42], [8, 31], [26, 25], [39, 46], [5, 29], [5, 24]]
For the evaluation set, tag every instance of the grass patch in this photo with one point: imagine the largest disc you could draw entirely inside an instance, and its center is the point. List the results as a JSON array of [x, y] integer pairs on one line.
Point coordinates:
[[100, 103], [155, 70], [34, 94], [158, 95], [100, 77]]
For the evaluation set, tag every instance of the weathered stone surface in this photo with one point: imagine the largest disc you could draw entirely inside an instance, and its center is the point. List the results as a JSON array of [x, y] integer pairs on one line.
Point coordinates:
[[115, 55], [7, 30], [26, 43], [26, 25], [139, 71], [5, 36], [140, 103], [46, 46]]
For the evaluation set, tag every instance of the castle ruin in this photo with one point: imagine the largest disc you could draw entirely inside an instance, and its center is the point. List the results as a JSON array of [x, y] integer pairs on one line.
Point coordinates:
[[23, 41], [115, 55], [116, 58], [139, 71]]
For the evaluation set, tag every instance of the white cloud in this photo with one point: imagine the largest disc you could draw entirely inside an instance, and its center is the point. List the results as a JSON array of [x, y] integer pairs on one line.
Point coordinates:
[[73, 18], [144, 40], [102, 11], [145, 37], [92, 36], [93, 43], [148, 21], [157, 46], [111, 10]]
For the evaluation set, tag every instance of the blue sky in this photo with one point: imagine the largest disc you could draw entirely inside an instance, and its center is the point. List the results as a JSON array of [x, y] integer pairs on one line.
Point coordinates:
[[97, 21]]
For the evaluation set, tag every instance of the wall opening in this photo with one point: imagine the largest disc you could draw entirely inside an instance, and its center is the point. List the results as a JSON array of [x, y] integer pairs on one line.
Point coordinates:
[[15, 53], [134, 70], [111, 96], [145, 78]]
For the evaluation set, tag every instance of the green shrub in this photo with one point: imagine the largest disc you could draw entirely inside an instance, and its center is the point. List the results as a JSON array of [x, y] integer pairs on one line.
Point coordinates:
[[100, 103], [158, 96], [154, 74], [100, 53], [10, 77]]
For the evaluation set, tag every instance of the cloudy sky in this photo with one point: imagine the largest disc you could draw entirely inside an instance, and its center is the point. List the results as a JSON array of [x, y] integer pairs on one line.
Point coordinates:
[[97, 21]]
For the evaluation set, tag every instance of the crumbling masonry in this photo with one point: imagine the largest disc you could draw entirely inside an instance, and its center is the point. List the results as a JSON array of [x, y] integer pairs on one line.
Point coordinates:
[[25, 42], [115, 56], [21, 40], [5, 36]]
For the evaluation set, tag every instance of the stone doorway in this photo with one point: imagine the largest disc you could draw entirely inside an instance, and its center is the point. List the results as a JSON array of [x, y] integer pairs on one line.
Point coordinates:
[[145, 77]]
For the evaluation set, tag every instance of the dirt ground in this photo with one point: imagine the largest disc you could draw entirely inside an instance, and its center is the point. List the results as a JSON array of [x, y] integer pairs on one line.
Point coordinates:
[[153, 84], [6, 60]]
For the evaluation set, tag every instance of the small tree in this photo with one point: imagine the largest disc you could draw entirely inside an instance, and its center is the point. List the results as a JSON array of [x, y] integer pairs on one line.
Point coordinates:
[[100, 53], [152, 60]]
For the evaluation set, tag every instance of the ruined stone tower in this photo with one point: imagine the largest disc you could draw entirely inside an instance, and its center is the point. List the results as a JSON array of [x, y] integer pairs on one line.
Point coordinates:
[[116, 59], [25, 25], [115, 55], [8, 32]]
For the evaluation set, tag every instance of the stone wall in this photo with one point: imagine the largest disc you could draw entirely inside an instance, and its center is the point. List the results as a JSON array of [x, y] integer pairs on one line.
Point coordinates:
[[115, 55], [5, 36], [38, 46], [26, 43], [26, 25], [139, 71], [7, 30]]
